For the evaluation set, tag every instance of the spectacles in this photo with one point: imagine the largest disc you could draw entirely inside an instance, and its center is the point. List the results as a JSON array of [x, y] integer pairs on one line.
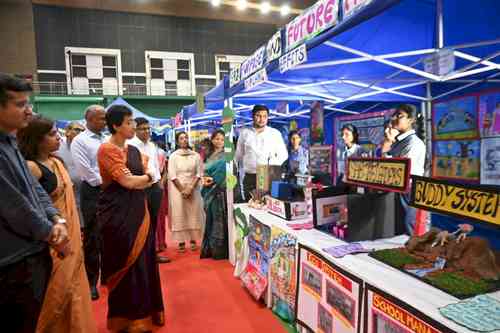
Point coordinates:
[[399, 116], [143, 129], [76, 129], [23, 104]]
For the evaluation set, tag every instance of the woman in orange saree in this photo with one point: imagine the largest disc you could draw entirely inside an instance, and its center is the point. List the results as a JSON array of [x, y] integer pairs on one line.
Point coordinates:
[[67, 305], [129, 268]]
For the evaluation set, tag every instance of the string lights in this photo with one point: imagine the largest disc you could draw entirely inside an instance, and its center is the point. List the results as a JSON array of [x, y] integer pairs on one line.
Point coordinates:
[[265, 7]]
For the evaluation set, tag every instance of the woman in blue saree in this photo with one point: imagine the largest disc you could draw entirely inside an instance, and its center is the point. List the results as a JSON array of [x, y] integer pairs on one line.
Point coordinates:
[[215, 237]]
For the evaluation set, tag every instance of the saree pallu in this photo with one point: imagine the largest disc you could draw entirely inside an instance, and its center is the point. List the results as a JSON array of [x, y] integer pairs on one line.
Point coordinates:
[[129, 268], [215, 237], [67, 306]]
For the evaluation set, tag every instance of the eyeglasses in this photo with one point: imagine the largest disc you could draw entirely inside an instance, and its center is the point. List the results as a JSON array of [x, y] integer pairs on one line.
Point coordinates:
[[23, 104], [76, 129], [399, 116], [143, 129]]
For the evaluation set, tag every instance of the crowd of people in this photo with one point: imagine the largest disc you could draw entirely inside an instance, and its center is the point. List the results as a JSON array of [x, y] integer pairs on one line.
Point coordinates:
[[90, 207]]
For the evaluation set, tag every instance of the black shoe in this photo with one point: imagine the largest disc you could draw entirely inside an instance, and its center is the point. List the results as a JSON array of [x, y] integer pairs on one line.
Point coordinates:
[[162, 260], [94, 294]]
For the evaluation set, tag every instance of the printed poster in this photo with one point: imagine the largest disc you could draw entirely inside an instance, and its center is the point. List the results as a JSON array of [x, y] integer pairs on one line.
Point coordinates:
[[371, 133], [455, 119], [328, 298], [489, 114], [317, 123], [490, 161], [259, 241], [387, 314], [458, 159], [283, 274]]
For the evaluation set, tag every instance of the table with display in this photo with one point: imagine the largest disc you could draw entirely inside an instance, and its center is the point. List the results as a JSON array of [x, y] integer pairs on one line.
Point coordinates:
[[375, 294]]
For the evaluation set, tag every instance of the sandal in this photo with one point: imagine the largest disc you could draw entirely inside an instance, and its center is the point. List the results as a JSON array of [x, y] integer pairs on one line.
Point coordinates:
[[182, 247], [193, 246]]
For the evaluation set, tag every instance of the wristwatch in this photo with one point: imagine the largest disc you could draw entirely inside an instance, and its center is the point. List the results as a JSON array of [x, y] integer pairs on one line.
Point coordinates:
[[61, 221]]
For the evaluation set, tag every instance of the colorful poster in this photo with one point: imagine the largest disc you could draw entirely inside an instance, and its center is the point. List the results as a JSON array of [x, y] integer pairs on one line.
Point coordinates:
[[457, 160], [328, 298], [317, 123], [489, 114], [259, 241], [455, 119], [387, 314], [320, 163], [371, 133], [490, 161], [283, 274]]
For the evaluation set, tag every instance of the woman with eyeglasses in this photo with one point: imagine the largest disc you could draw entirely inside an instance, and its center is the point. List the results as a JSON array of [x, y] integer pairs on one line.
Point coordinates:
[[350, 137], [67, 305]]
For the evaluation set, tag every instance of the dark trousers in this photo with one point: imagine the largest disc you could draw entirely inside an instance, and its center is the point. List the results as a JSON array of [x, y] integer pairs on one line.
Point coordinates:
[[91, 235], [22, 289], [249, 184], [154, 195], [407, 215]]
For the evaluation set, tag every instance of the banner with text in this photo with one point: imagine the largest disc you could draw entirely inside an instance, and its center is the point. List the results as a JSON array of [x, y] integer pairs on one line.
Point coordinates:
[[477, 202], [328, 298], [274, 48], [352, 6], [387, 174], [321, 16], [387, 314]]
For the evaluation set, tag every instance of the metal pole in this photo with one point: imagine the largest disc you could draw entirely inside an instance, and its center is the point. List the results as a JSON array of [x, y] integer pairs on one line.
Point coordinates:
[[439, 24], [428, 127], [230, 197]]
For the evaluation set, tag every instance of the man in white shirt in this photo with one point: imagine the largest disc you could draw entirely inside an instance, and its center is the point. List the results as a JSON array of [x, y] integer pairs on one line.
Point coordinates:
[[142, 141], [408, 144], [260, 144], [84, 152]]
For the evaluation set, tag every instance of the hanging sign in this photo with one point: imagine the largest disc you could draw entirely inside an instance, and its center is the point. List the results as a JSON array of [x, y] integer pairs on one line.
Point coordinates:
[[387, 174], [385, 313], [253, 63], [352, 6], [274, 49], [256, 79], [235, 75], [324, 14], [293, 58], [478, 202], [200, 103], [440, 63]]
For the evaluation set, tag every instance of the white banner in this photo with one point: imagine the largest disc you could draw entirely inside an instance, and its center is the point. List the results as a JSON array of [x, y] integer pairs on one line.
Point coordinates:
[[253, 63], [352, 6], [293, 58], [256, 79], [324, 14], [235, 75], [274, 50]]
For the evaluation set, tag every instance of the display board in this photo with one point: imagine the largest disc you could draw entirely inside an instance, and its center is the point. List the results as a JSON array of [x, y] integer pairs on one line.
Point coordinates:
[[328, 297], [490, 161], [387, 174], [385, 313], [457, 159], [317, 124], [477, 202], [255, 276], [455, 119], [489, 114], [283, 274], [370, 127], [320, 163]]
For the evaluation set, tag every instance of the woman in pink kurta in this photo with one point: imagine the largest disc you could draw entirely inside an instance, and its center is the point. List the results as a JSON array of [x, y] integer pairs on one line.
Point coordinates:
[[186, 207]]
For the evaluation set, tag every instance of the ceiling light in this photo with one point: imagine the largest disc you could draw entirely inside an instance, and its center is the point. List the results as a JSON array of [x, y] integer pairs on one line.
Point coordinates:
[[241, 4], [265, 7], [215, 3], [285, 10]]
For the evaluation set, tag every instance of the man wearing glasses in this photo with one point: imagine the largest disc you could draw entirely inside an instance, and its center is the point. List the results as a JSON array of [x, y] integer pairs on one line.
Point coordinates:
[[142, 141], [407, 144], [28, 220]]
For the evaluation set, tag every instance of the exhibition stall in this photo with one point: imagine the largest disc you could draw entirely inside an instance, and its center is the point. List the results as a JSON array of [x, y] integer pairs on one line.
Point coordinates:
[[361, 58]]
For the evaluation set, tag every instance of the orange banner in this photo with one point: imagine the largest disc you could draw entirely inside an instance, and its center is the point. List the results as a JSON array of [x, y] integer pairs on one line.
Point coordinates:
[[329, 271]]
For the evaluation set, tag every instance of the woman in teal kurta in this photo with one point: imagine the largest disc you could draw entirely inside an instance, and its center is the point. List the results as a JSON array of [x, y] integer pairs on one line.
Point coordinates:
[[215, 237]]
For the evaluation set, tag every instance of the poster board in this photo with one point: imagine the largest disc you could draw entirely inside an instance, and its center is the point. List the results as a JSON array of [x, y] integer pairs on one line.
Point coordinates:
[[328, 297], [317, 123], [320, 162], [457, 159], [386, 174], [456, 118], [470, 201], [385, 313], [255, 275], [283, 274], [370, 127], [489, 114], [490, 161]]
